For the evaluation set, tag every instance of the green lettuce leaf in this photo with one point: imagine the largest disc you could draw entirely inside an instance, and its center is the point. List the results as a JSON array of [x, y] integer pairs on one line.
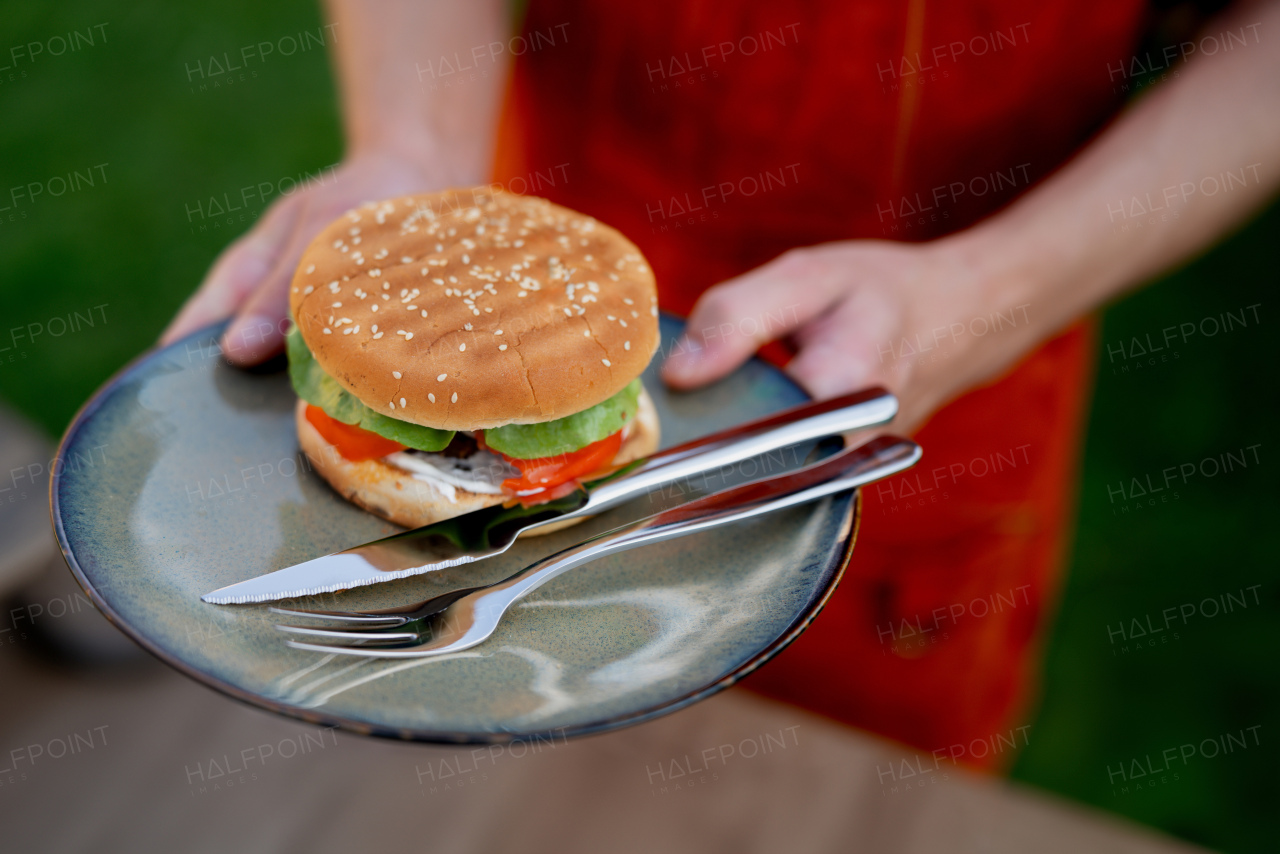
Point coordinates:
[[316, 387], [568, 434], [522, 441]]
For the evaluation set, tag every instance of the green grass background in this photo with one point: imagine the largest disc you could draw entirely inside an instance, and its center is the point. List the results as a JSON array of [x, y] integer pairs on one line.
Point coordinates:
[[129, 245]]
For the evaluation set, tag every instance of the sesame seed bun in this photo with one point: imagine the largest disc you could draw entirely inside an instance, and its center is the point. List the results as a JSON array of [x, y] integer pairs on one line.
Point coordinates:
[[491, 308], [399, 497]]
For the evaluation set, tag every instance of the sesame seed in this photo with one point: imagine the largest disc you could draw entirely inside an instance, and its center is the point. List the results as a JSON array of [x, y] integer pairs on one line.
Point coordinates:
[[408, 336], [606, 363], [626, 345], [337, 305], [406, 260], [424, 312], [395, 374], [431, 397], [328, 331], [586, 333], [502, 346], [498, 332], [411, 307], [442, 378], [373, 307], [308, 289], [311, 268], [393, 404], [402, 403], [454, 399], [379, 335], [462, 348]]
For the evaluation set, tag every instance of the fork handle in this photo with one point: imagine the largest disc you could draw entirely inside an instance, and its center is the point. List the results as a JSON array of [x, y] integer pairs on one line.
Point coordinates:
[[855, 467]]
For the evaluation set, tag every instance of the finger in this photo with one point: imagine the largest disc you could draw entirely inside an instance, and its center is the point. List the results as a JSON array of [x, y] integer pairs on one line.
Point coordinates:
[[732, 320], [842, 352], [257, 331], [236, 272]]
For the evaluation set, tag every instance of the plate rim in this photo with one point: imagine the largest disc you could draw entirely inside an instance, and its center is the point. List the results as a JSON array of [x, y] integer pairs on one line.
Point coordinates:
[[851, 524]]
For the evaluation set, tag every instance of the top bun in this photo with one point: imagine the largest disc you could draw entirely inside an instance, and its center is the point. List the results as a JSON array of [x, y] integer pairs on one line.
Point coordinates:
[[474, 308]]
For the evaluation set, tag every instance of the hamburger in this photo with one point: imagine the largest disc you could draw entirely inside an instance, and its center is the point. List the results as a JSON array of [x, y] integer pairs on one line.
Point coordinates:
[[467, 348]]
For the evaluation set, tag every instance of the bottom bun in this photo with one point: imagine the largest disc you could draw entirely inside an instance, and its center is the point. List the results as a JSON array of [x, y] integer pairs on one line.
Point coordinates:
[[397, 496]]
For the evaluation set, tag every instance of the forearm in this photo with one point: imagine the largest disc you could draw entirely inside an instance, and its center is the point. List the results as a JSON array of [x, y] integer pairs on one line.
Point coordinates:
[[396, 95], [1177, 171]]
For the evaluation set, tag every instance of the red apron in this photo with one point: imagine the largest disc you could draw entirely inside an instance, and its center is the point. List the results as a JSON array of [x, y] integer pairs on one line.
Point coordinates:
[[716, 135]]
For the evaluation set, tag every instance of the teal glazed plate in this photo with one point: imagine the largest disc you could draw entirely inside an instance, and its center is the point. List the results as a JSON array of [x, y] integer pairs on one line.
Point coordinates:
[[192, 480]]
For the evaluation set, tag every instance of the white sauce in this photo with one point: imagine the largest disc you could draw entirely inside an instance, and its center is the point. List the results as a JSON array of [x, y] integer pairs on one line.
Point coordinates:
[[481, 472]]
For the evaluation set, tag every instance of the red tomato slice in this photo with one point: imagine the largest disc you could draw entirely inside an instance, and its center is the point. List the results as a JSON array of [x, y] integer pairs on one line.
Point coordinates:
[[546, 473], [354, 443]]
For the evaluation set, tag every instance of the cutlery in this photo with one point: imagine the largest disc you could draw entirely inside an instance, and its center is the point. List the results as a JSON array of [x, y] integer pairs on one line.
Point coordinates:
[[491, 531], [461, 619]]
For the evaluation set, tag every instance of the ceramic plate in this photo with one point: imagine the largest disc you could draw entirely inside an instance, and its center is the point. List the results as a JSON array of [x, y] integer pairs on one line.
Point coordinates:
[[183, 474]]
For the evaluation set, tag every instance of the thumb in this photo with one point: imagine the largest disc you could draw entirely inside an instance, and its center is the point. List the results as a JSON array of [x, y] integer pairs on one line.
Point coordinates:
[[236, 273], [257, 331], [734, 319]]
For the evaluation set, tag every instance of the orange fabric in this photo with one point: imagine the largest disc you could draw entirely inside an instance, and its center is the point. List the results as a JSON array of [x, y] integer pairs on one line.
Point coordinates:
[[717, 135]]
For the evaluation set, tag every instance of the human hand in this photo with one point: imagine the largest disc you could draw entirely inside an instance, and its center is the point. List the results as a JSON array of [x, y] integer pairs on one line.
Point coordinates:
[[250, 279], [917, 319]]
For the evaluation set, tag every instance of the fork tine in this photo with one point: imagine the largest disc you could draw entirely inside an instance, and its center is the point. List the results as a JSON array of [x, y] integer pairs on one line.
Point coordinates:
[[389, 620], [350, 634], [407, 650]]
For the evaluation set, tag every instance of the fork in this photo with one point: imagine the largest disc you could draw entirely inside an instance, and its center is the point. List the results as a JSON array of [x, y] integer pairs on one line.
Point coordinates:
[[464, 618]]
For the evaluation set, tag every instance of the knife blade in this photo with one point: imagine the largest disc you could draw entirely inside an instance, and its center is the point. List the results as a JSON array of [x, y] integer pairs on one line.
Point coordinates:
[[491, 530]]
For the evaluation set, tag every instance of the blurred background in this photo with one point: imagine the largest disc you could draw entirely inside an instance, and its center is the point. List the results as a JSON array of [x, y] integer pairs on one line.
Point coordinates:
[[100, 267]]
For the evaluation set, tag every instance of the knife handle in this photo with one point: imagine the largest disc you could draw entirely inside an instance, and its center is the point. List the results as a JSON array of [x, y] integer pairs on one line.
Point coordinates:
[[818, 419], [852, 468]]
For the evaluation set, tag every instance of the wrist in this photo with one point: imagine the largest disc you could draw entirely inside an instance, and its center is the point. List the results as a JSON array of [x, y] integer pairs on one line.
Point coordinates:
[[451, 157], [1004, 268], [415, 147]]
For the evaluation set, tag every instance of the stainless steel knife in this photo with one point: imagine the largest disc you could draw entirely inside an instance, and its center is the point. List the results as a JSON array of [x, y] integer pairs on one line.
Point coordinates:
[[491, 531]]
